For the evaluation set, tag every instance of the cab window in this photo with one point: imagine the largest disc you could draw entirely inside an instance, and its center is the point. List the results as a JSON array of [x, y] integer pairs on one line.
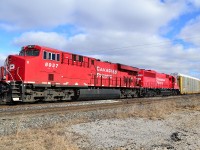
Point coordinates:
[[73, 57], [29, 52], [51, 56], [45, 55], [32, 52], [80, 58], [21, 53], [58, 57], [92, 62]]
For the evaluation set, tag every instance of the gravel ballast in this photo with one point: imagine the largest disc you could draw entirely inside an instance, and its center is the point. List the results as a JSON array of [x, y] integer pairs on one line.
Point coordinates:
[[174, 132], [165, 125]]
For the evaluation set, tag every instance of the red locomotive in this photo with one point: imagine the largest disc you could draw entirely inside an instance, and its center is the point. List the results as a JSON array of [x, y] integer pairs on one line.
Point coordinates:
[[44, 74], [154, 83]]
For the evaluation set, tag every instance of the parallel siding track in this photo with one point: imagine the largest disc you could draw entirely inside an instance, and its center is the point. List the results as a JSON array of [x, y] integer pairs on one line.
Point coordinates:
[[28, 109]]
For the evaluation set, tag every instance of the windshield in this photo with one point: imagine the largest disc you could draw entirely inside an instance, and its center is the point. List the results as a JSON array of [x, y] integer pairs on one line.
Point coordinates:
[[29, 52]]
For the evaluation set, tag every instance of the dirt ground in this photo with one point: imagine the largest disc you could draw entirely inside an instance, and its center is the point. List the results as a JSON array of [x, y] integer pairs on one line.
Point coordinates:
[[160, 126]]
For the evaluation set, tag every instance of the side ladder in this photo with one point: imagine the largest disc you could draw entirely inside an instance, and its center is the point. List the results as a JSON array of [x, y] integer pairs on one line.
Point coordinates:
[[16, 91]]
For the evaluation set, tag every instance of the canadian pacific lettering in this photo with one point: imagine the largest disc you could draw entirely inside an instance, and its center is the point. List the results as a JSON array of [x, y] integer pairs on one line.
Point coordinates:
[[105, 72]]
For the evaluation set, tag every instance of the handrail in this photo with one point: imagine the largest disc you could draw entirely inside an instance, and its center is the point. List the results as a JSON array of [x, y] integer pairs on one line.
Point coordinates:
[[18, 74]]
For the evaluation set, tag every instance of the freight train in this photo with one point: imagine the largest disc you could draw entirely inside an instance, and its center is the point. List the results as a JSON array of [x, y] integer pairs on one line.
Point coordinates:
[[40, 73]]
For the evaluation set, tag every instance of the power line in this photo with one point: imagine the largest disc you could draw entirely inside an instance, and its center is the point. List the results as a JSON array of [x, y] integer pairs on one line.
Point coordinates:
[[148, 45]]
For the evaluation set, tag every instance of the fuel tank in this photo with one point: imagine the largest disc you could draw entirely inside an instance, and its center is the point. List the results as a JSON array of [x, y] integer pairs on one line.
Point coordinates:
[[94, 94]]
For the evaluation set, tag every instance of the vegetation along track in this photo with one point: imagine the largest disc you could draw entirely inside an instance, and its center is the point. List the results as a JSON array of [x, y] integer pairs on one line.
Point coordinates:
[[6, 110]]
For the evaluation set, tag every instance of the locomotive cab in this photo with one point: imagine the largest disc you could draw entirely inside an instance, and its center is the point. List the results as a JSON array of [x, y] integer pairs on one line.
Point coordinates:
[[30, 50], [15, 64], [41, 64]]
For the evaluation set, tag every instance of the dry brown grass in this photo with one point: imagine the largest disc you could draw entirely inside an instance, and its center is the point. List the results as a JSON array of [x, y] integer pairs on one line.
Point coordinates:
[[53, 137], [38, 139], [150, 111], [160, 110]]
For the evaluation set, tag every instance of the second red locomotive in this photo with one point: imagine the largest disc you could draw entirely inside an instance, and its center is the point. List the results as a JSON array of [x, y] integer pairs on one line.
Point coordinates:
[[44, 74]]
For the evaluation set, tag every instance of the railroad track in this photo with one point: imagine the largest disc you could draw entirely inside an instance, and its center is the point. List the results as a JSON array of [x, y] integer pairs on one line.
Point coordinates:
[[28, 109]]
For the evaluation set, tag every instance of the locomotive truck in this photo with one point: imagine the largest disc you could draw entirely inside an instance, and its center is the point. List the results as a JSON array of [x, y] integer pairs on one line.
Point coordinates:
[[40, 73]]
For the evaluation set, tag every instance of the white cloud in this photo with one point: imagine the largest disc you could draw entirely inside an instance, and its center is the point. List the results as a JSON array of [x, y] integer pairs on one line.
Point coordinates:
[[196, 3], [36, 13], [51, 39], [137, 15], [131, 15], [190, 32], [124, 31]]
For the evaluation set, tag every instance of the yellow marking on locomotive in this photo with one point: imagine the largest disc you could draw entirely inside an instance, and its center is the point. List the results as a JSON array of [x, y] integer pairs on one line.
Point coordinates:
[[180, 84]]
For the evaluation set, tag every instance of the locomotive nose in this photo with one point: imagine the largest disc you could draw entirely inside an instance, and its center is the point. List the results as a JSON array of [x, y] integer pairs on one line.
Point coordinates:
[[10, 63], [13, 65], [10, 67]]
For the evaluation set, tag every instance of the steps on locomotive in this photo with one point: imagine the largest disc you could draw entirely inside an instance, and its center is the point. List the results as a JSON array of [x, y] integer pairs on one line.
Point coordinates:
[[16, 92]]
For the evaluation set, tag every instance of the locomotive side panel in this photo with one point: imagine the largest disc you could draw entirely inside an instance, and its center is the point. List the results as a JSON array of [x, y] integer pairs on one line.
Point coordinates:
[[153, 83], [107, 75], [43, 68], [164, 81], [155, 80], [128, 76], [77, 70], [147, 78]]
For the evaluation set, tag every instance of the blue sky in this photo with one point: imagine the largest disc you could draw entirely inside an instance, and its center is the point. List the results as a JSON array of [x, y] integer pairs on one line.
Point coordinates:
[[153, 34]]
